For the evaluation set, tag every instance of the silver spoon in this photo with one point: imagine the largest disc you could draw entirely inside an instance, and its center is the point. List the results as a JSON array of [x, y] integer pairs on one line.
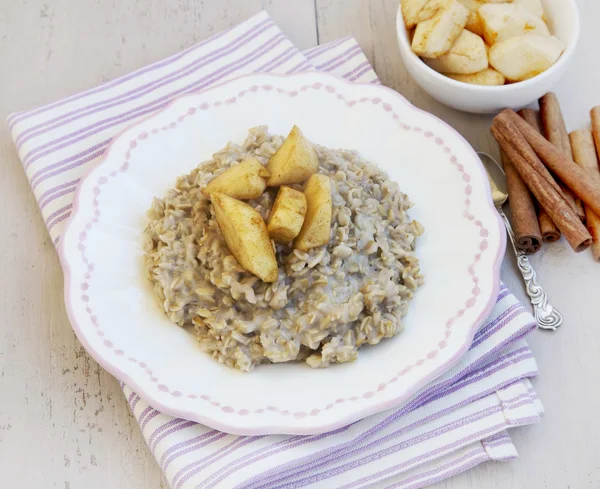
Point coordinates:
[[546, 315]]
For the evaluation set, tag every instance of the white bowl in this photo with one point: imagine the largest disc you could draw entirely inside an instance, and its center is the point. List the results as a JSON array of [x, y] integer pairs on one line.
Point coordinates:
[[563, 20], [114, 313]]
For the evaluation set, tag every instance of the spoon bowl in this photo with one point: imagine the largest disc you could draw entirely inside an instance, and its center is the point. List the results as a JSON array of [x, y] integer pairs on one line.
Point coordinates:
[[497, 179]]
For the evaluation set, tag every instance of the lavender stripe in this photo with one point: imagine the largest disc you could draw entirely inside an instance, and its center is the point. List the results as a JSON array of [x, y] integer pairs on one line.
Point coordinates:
[[149, 418], [101, 145], [497, 443], [14, 118], [454, 468], [363, 72], [363, 64], [298, 66], [497, 368], [173, 483], [503, 294], [141, 418], [342, 56], [190, 449], [497, 436], [162, 428], [58, 212], [435, 393], [519, 398], [318, 50], [45, 202], [134, 403], [515, 311], [131, 396], [10, 117], [325, 53], [189, 446], [345, 61], [493, 324], [277, 448], [193, 468], [477, 452], [149, 87], [58, 220], [489, 323], [159, 103], [314, 51], [469, 370], [454, 425], [59, 187], [517, 405], [518, 335], [184, 444], [45, 175], [308, 51], [56, 240], [282, 61], [306, 66], [532, 391], [472, 380], [170, 431], [524, 420], [268, 64]]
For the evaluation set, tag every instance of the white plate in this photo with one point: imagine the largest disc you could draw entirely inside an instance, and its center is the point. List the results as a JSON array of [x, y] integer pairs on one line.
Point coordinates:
[[114, 313]]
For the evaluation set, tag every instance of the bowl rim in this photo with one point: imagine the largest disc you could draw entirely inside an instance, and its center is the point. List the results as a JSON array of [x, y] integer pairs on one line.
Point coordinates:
[[267, 428], [503, 89]]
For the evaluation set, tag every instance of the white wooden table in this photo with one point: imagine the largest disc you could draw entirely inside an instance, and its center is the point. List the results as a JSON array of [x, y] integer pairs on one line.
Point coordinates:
[[63, 420]]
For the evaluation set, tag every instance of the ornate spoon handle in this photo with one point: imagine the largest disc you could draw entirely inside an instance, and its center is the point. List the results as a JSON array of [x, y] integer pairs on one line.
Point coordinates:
[[546, 315]]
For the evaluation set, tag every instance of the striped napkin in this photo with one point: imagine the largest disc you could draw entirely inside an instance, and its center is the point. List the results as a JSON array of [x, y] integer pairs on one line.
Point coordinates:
[[455, 423]]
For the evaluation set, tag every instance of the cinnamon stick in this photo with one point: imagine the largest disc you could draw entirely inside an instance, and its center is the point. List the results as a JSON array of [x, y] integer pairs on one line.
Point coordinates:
[[524, 219], [550, 232], [595, 114], [555, 128], [584, 153], [538, 179], [584, 186], [555, 131]]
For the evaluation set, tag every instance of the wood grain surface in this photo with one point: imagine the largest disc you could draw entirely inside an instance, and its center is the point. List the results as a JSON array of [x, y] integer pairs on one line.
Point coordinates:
[[63, 421]]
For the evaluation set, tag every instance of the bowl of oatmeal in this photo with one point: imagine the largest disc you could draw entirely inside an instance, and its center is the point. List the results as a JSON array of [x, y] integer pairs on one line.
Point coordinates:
[[215, 327]]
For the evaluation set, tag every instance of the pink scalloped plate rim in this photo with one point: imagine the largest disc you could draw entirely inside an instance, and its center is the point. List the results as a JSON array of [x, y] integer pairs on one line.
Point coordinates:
[[156, 396]]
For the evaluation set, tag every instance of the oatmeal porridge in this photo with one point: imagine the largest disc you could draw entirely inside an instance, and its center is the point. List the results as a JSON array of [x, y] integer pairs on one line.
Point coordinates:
[[324, 304]]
